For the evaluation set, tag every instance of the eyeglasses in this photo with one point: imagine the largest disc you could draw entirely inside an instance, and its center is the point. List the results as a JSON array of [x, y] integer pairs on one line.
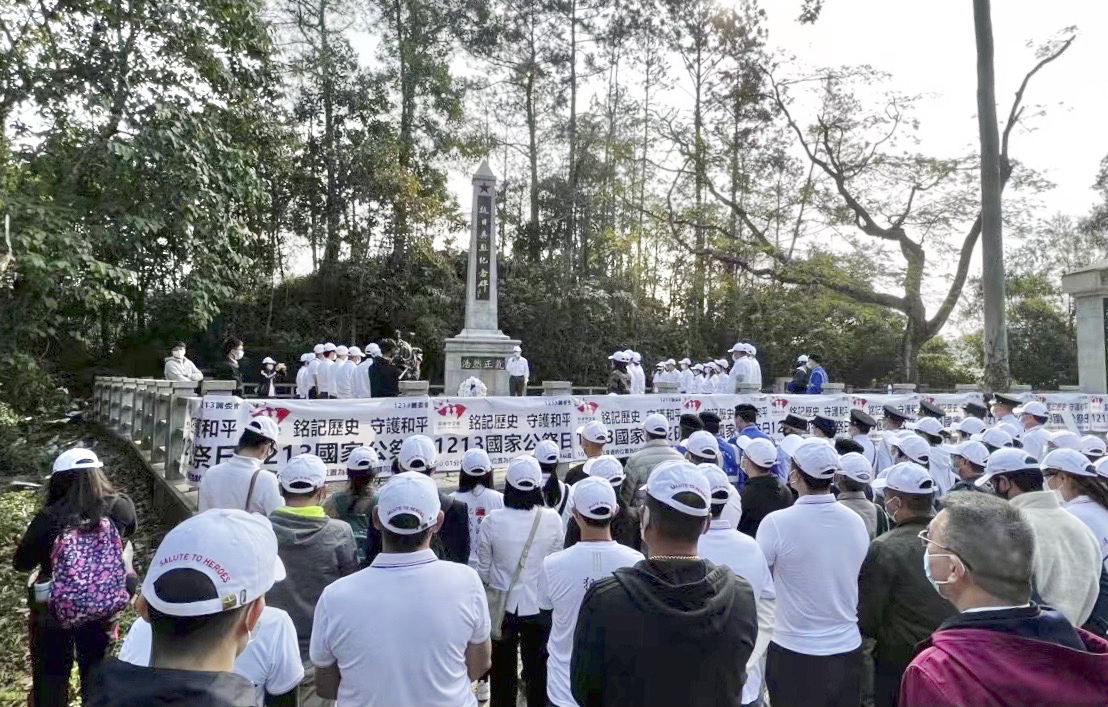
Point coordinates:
[[922, 535]]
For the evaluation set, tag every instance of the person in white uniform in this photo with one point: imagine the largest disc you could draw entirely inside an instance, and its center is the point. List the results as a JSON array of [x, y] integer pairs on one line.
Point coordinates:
[[860, 426], [568, 574], [322, 376], [344, 376], [1083, 489], [475, 489], [320, 353], [519, 372], [723, 545], [332, 372], [302, 387], [685, 381], [241, 482], [638, 375], [1034, 437], [1002, 407], [362, 388]]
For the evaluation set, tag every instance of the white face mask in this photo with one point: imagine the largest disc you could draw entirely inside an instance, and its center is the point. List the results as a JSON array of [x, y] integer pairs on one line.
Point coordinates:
[[238, 354], [178, 353]]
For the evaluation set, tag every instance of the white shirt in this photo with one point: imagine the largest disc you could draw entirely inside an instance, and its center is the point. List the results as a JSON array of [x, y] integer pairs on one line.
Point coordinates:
[[313, 373], [939, 465], [686, 380], [815, 549], [638, 379], [564, 578], [407, 646], [302, 378], [226, 485], [868, 450], [480, 502], [344, 379], [1095, 516], [500, 542], [271, 660], [517, 366], [732, 512], [361, 379], [323, 375], [740, 373], [754, 371], [331, 374], [724, 545]]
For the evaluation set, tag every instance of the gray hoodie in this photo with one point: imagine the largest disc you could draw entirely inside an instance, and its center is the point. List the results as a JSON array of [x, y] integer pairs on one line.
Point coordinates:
[[315, 551]]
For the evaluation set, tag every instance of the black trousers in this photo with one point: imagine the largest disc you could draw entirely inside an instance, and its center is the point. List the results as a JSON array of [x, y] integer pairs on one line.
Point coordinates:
[[886, 681], [525, 635], [799, 680], [53, 650], [515, 386]]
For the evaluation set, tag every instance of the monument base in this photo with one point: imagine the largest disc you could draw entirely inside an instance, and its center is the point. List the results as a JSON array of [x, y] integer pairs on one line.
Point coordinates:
[[481, 354]]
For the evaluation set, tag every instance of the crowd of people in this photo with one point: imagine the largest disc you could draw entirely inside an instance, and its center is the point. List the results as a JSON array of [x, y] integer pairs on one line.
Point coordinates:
[[628, 377], [916, 565]]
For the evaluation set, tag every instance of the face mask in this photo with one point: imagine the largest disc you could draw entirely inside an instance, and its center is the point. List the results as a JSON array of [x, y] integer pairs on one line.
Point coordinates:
[[935, 583], [269, 366], [892, 514], [178, 353], [238, 354]]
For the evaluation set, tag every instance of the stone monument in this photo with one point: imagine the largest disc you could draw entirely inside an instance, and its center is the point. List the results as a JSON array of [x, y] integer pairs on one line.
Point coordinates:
[[481, 349], [1089, 288]]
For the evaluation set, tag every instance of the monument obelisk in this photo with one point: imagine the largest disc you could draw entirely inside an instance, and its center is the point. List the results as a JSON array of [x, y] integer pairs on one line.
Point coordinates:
[[481, 348]]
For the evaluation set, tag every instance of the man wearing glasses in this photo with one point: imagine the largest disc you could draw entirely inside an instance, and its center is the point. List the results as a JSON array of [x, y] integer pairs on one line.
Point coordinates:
[[1001, 649]]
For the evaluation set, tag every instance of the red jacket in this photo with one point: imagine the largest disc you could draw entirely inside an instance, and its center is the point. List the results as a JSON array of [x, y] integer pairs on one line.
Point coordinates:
[[975, 667]]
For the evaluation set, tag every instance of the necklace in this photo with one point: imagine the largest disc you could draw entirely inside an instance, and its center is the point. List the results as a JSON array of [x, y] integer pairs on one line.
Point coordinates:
[[675, 557]]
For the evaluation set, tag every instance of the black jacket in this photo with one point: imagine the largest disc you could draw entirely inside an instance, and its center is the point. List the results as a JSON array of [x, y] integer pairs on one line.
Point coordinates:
[[450, 543], [119, 684], [575, 474], [799, 383], [761, 496], [897, 606], [228, 370], [384, 378], [664, 633]]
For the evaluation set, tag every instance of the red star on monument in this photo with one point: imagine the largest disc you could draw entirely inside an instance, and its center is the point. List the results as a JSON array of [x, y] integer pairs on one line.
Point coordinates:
[[484, 188]]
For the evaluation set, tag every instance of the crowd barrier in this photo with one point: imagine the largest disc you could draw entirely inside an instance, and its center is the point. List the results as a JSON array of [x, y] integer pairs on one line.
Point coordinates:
[[182, 431]]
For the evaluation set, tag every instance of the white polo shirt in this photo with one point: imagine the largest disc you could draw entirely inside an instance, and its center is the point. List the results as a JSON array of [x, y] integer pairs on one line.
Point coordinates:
[[407, 645], [271, 660], [724, 545], [226, 486], [500, 542], [1095, 516], [480, 502], [563, 580], [815, 550], [323, 375]]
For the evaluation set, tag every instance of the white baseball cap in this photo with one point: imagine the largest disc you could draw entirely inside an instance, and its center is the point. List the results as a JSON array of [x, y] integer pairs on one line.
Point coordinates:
[[1070, 461], [362, 459], [1012, 429], [927, 425], [672, 478], [802, 358], [236, 550], [547, 452], [329, 347], [476, 462], [972, 450], [342, 350], [790, 443], [855, 466], [319, 348], [817, 459], [1101, 466], [686, 361], [1033, 407], [355, 351], [516, 349], [265, 426], [1064, 439], [969, 426], [304, 358], [267, 359], [306, 472], [417, 453], [605, 467], [718, 482], [995, 437], [595, 498], [636, 356], [656, 424], [1093, 446], [698, 367], [738, 347], [524, 473], [1007, 460], [75, 459], [913, 446], [906, 477], [760, 450], [373, 349], [751, 349], [703, 444], [670, 362], [620, 357], [596, 432], [409, 493]]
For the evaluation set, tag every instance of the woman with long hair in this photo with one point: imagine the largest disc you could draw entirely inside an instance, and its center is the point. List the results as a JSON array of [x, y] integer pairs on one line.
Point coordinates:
[[554, 491], [79, 531], [355, 504], [475, 489], [521, 534], [1083, 489]]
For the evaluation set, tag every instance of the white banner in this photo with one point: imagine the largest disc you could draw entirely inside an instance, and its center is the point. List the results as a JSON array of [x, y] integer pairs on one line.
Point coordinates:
[[213, 424], [503, 427]]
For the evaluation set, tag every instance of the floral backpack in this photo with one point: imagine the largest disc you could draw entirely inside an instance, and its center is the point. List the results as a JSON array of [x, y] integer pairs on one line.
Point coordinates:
[[90, 577]]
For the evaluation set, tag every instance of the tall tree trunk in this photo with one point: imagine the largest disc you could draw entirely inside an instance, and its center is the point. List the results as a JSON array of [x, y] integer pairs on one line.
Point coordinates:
[[534, 239], [992, 239], [407, 108], [571, 225], [697, 300], [331, 207]]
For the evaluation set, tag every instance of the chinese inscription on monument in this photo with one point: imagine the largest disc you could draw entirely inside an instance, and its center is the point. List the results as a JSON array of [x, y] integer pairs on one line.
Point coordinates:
[[484, 244]]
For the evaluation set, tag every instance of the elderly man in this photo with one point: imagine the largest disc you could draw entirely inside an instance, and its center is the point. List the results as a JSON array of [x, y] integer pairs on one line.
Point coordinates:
[[1001, 649], [519, 372]]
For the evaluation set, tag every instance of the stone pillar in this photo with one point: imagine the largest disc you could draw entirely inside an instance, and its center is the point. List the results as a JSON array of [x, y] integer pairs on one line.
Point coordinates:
[[1089, 288], [209, 387], [481, 349], [413, 388], [780, 383], [557, 388]]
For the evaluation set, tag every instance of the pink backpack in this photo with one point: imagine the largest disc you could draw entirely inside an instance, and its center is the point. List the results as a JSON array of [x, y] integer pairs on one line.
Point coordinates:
[[90, 577]]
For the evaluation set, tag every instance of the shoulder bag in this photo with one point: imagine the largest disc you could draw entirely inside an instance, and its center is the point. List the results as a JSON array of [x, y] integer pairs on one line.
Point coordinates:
[[498, 598]]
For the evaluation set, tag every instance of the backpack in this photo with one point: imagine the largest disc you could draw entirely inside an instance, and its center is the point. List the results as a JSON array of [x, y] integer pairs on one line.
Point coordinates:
[[359, 522], [90, 577]]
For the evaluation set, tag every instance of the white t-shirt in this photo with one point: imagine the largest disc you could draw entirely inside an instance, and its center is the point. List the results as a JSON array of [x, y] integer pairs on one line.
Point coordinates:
[[407, 646], [726, 546], [344, 379], [271, 660], [332, 373], [480, 502], [323, 375], [1095, 516], [361, 379], [302, 382], [500, 542], [518, 366], [313, 373], [226, 485], [563, 580], [815, 550]]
